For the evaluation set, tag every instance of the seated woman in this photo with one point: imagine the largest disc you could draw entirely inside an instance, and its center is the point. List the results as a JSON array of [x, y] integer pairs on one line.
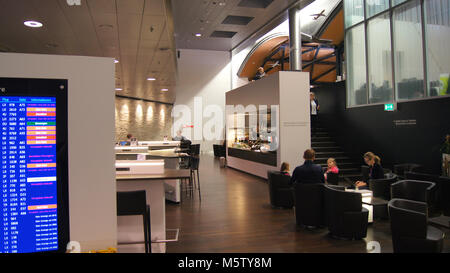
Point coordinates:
[[284, 168], [375, 169], [332, 167]]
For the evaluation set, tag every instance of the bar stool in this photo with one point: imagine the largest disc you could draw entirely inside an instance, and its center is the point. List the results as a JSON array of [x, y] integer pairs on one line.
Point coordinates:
[[135, 203], [194, 164]]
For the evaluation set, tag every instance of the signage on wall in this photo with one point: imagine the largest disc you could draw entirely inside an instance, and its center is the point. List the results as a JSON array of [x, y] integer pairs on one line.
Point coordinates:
[[405, 122], [390, 107], [74, 2]]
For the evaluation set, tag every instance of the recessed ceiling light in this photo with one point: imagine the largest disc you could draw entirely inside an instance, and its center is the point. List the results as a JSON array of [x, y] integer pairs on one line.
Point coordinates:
[[151, 79], [164, 90], [116, 61], [33, 24], [119, 89], [198, 35]]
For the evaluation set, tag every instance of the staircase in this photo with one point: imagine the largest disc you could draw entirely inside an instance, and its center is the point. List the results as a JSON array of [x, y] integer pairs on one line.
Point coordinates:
[[325, 146]]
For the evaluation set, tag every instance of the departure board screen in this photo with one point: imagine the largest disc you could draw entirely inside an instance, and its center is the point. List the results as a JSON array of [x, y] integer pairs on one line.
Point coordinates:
[[29, 219]]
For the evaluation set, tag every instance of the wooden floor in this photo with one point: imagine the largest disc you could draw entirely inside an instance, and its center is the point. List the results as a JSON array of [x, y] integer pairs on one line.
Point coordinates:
[[235, 216]]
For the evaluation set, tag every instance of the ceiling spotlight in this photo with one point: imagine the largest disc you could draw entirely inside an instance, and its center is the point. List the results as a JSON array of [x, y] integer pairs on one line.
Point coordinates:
[[116, 61], [164, 90], [198, 35], [222, 3], [119, 89], [151, 79], [34, 24]]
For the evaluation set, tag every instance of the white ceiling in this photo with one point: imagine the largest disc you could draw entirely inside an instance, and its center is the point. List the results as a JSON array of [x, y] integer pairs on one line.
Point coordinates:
[[206, 16], [132, 31], [141, 34]]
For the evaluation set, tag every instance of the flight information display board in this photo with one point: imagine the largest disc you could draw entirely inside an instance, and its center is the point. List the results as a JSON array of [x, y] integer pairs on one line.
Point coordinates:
[[30, 178]]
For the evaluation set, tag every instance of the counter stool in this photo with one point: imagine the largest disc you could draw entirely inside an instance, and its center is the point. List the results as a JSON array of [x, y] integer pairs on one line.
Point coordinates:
[[135, 203], [194, 164]]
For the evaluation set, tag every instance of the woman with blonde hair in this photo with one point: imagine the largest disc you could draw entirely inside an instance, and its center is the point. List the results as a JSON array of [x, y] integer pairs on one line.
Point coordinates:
[[375, 169]]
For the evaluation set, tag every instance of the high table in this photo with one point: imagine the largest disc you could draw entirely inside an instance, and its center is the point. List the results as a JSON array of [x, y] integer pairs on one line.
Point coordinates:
[[130, 227], [171, 161]]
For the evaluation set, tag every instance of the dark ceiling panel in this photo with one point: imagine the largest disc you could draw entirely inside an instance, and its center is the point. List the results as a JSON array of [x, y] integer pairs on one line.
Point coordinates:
[[223, 34], [255, 3], [237, 20]]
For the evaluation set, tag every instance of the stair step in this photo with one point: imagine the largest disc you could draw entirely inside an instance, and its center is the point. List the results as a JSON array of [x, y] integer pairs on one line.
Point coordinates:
[[349, 171], [323, 160], [346, 165], [323, 144], [328, 149], [323, 154], [323, 133], [322, 139]]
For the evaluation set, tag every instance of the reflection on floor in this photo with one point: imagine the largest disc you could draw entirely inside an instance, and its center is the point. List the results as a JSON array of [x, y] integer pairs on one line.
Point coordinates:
[[235, 216]]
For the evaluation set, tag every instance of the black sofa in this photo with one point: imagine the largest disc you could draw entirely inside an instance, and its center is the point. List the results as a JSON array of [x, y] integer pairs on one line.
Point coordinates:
[[410, 229], [280, 191], [345, 216]]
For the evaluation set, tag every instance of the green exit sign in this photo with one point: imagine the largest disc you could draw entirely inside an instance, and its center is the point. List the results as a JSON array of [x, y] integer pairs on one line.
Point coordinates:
[[390, 107]]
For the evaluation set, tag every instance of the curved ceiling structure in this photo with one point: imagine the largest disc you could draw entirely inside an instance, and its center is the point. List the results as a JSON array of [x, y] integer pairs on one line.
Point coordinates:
[[322, 43]]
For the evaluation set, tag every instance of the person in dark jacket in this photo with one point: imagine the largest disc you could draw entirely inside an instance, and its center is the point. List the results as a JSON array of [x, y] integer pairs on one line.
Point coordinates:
[[308, 173], [375, 169]]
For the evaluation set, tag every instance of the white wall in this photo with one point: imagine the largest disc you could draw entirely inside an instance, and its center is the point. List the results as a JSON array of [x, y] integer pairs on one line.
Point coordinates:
[[288, 90], [206, 75], [92, 187]]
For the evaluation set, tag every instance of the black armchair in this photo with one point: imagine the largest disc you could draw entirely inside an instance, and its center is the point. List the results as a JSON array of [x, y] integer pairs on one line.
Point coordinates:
[[414, 190], [401, 169], [332, 178], [381, 188], [309, 204], [219, 150], [436, 193], [280, 190], [410, 229], [445, 195], [345, 216]]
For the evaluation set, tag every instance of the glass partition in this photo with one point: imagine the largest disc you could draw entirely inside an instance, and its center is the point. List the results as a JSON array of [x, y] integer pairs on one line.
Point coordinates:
[[408, 57], [376, 6], [438, 43], [379, 57], [354, 12], [356, 66]]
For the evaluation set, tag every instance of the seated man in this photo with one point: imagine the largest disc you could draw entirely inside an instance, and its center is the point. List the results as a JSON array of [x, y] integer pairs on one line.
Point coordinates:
[[308, 173]]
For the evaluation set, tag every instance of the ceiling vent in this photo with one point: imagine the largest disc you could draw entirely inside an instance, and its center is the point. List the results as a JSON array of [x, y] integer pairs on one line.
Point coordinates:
[[262, 4], [223, 34], [237, 20]]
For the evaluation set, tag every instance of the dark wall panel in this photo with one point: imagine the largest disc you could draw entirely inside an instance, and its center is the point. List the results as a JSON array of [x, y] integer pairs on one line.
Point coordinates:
[[414, 133]]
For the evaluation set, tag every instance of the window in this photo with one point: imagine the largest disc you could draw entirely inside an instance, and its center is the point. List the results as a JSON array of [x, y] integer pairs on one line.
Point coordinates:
[[379, 57], [356, 66], [396, 2], [408, 56], [376, 6], [438, 41], [354, 12], [396, 50]]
